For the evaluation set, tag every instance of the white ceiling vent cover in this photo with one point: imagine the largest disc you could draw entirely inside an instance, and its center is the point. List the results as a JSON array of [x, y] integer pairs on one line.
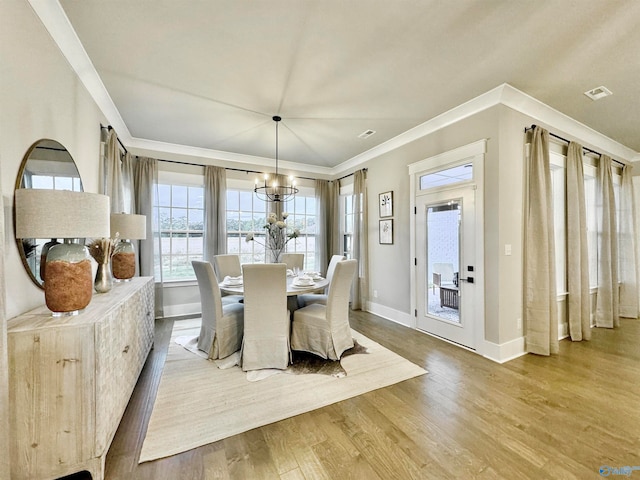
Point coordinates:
[[598, 93], [366, 134]]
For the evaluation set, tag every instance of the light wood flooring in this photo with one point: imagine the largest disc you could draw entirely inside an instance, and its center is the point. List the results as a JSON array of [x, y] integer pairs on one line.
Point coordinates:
[[534, 417]]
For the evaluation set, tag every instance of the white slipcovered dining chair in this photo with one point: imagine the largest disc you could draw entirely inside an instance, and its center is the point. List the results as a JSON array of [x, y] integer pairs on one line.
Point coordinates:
[[222, 325], [324, 329], [227, 265], [293, 260], [266, 318], [309, 298]]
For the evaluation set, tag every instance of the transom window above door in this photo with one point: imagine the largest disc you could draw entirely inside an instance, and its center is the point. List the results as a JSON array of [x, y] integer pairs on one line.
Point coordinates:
[[448, 176]]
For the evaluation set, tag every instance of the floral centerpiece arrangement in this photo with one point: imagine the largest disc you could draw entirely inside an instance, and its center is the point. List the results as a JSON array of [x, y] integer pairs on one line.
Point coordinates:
[[277, 236]]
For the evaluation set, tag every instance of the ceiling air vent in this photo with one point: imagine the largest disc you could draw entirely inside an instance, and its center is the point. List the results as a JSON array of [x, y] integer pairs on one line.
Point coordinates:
[[598, 93], [366, 134]]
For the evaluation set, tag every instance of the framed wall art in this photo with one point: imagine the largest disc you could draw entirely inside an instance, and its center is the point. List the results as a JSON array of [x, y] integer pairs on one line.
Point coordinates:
[[386, 204], [386, 232]]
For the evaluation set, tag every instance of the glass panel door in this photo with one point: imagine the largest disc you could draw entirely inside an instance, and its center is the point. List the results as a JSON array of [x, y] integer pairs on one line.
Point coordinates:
[[443, 260]]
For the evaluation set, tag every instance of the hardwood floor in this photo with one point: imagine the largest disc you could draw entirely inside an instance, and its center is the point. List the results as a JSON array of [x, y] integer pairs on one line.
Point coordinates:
[[561, 417]]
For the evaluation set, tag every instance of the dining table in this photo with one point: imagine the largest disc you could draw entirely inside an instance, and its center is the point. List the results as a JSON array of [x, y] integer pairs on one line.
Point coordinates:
[[293, 289]]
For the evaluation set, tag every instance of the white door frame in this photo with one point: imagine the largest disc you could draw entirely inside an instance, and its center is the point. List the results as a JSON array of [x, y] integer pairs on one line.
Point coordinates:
[[472, 153]]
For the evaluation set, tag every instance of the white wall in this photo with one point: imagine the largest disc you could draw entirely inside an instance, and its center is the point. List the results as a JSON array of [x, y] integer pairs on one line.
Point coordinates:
[[40, 97], [390, 172]]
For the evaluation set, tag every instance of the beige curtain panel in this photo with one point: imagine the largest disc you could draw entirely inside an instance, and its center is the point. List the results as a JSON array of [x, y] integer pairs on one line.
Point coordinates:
[[541, 312], [215, 212], [627, 247], [608, 297], [112, 173], [325, 213], [128, 200], [579, 301], [149, 254], [360, 241]]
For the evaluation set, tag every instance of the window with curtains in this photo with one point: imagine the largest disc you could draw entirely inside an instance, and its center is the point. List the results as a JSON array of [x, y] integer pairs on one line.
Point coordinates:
[[590, 197], [181, 211], [246, 214], [347, 225], [558, 172], [302, 215], [348, 216]]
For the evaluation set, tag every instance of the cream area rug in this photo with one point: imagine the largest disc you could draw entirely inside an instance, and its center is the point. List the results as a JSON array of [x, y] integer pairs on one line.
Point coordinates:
[[198, 403]]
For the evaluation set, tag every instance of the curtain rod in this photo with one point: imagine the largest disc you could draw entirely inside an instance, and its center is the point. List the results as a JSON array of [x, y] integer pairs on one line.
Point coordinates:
[[349, 174], [226, 168], [250, 171], [111, 128], [567, 141]]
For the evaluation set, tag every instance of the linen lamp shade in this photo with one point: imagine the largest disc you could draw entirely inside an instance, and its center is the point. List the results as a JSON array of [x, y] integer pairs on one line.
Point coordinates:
[[128, 227], [61, 214], [68, 282]]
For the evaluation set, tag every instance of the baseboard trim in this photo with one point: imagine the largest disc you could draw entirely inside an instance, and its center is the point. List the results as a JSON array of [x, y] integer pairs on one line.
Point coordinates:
[[504, 352], [391, 314], [186, 309], [498, 353]]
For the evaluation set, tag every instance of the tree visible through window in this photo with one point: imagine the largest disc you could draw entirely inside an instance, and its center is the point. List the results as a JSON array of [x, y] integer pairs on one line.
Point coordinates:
[[246, 214]]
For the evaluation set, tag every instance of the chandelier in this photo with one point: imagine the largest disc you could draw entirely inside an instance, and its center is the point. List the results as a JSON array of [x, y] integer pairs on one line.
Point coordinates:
[[274, 192]]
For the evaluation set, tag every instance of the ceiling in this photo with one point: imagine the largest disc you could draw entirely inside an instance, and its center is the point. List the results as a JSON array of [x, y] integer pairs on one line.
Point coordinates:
[[211, 73]]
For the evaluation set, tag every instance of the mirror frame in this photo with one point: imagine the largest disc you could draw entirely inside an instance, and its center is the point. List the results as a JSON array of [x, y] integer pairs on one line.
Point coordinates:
[[18, 185]]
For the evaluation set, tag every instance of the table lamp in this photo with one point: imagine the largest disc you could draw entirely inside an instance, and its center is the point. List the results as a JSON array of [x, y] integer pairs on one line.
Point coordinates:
[[128, 227], [62, 214]]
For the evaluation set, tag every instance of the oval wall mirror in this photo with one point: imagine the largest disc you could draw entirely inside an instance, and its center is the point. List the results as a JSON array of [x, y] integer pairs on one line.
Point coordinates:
[[47, 164]]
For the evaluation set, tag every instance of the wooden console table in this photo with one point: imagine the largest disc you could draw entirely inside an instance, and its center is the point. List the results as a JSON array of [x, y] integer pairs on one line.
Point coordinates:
[[70, 379]]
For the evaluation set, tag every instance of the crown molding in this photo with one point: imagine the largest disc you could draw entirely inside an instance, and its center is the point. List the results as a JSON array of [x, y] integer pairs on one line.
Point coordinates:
[[467, 109], [565, 125], [55, 20], [513, 98], [457, 154], [141, 146]]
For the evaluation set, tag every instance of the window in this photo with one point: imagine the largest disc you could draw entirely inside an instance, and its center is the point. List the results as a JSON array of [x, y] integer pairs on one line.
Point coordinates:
[[448, 176], [347, 225], [181, 211], [349, 216], [245, 214], [55, 182], [558, 173], [590, 194], [302, 215]]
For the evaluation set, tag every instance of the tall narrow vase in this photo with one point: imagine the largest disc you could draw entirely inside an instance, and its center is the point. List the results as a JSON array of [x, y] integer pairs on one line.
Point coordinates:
[[104, 280]]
